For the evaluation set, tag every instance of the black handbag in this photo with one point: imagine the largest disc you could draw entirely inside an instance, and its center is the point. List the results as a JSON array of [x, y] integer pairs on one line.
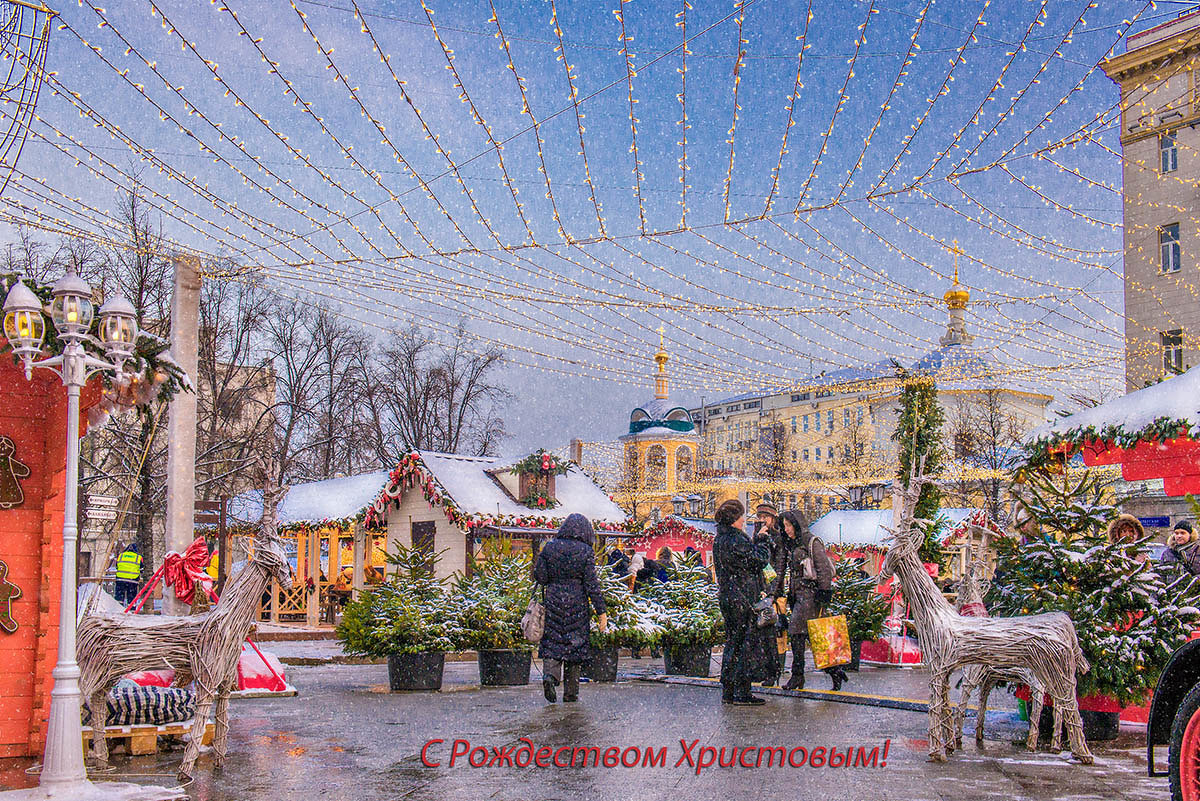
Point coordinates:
[[765, 613]]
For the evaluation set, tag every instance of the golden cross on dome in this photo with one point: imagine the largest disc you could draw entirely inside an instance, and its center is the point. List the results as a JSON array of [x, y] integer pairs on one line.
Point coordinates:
[[661, 332], [956, 250]]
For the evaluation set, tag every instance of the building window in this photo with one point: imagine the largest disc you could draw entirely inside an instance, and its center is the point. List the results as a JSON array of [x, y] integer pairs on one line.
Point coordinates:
[[846, 452], [1172, 350], [829, 419], [817, 420], [806, 454], [803, 396], [1168, 153], [793, 425], [818, 454], [806, 424], [793, 456], [750, 405], [831, 453], [860, 414], [791, 501], [846, 417], [1168, 248]]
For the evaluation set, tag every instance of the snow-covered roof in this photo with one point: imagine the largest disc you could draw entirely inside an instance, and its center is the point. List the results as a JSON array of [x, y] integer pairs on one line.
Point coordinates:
[[1177, 398], [314, 501], [866, 526], [474, 492]]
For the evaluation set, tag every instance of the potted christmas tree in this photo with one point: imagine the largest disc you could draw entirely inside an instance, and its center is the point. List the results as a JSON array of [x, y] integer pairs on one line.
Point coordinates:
[[407, 619], [491, 601], [633, 622], [691, 622], [1129, 616], [855, 595]]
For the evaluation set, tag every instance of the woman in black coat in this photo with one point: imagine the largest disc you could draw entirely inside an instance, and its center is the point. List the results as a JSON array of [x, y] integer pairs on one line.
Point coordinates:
[[566, 567], [739, 563]]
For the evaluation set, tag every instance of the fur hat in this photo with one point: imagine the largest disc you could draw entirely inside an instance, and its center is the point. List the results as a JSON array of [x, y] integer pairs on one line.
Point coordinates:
[[729, 512], [1122, 522]]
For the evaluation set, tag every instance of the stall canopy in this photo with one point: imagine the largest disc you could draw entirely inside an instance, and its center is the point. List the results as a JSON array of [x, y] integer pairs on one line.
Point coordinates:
[[315, 501], [1152, 433]]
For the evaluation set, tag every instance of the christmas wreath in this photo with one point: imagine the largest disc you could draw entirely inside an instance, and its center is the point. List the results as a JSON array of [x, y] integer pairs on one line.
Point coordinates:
[[541, 463]]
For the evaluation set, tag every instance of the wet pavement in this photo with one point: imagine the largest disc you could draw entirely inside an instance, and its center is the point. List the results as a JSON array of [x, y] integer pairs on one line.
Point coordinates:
[[345, 737]]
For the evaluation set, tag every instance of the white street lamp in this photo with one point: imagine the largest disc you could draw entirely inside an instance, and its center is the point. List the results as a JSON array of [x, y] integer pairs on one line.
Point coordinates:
[[63, 774], [678, 501]]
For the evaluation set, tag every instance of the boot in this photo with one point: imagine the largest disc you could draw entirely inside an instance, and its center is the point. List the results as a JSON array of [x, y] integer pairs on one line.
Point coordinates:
[[839, 676], [571, 681], [727, 693], [548, 685], [796, 680]]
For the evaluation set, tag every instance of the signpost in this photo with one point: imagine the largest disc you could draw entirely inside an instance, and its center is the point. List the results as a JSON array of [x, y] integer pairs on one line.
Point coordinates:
[[213, 513]]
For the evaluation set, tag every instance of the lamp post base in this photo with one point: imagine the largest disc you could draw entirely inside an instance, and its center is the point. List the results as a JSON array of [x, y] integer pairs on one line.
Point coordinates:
[[85, 790]]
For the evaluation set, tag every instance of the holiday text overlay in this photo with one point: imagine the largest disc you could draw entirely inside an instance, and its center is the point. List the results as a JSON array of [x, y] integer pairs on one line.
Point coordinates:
[[524, 753]]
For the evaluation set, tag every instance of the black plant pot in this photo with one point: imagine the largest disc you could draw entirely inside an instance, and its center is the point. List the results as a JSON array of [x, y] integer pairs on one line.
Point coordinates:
[[687, 660], [1100, 726], [416, 671], [1097, 726], [603, 664], [855, 654], [504, 668]]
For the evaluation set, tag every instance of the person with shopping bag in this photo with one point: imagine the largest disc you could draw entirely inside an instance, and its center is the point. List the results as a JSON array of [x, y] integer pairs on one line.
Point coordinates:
[[805, 580]]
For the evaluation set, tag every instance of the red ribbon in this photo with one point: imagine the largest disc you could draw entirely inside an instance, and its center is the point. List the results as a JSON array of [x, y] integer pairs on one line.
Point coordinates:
[[184, 573]]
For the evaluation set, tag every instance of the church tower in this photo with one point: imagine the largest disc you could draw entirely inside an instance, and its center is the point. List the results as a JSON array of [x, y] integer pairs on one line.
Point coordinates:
[[662, 446], [956, 299]]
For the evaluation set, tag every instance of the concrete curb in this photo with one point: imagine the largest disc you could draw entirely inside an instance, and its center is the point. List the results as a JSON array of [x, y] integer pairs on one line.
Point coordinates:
[[841, 697]]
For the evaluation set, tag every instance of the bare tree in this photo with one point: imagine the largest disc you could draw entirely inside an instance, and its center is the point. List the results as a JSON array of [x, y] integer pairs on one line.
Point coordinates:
[[634, 494], [427, 395], [986, 433], [771, 451]]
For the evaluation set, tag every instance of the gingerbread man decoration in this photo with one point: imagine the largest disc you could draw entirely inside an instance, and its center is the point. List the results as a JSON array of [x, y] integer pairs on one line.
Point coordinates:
[[11, 470], [9, 592]]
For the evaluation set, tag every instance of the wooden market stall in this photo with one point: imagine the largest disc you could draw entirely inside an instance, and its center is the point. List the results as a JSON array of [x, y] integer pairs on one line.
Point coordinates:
[[332, 554], [447, 504]]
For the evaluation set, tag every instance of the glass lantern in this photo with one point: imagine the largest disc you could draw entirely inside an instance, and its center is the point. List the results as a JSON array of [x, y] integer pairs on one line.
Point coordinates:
[[118, 328], [24, 326], [71, 309]]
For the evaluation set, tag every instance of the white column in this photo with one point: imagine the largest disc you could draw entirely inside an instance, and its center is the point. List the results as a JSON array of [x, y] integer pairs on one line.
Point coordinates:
[[181, 424]]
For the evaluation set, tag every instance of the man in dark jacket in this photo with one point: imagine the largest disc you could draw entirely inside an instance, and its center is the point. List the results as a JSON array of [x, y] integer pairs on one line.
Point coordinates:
[[739, 563], [566, 567]]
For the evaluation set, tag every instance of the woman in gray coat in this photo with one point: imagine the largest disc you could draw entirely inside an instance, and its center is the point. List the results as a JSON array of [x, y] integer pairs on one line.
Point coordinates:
[[566, 567], [805, 579]]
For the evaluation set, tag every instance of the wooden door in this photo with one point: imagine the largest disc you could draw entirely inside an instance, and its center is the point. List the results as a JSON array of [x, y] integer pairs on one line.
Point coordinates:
[[423, 534]]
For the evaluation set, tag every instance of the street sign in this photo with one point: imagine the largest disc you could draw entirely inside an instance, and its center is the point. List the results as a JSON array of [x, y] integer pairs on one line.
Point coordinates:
[[101, 514], [102, 500], [207, 506]]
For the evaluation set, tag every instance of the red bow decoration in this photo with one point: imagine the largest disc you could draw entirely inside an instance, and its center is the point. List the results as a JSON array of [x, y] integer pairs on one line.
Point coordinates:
[[184, 573]]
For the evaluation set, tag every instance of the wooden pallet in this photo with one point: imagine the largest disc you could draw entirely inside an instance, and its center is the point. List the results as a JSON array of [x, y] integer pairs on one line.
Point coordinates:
[[142, 739]]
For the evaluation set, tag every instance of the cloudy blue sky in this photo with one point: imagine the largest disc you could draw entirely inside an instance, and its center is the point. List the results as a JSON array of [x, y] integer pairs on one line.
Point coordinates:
[[274, 133]]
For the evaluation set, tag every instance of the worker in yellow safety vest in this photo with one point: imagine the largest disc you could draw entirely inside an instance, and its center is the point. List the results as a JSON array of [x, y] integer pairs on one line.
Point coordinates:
[[129, 574]]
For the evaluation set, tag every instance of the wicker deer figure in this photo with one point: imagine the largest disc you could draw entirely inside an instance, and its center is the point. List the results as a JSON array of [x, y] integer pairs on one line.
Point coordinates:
[[970, 603], [205, 646], [1044, 644]]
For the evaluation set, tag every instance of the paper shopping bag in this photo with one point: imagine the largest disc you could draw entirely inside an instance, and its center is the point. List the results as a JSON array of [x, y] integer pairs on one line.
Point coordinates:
[[830, 640]]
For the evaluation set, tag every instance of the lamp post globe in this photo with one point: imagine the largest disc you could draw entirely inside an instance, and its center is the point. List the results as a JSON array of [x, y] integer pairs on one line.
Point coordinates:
[[71, 310], [24, 326], [118, 328]]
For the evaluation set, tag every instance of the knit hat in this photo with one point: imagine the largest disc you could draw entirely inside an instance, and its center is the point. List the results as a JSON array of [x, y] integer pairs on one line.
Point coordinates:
[[1183, 525], [767, 508]]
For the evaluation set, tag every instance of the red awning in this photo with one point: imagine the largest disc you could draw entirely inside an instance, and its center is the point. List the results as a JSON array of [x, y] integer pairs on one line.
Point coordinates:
[[1175, 461]]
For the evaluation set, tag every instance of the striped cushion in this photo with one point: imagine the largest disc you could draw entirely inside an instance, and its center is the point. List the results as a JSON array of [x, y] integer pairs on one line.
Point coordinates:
[[129, 703]]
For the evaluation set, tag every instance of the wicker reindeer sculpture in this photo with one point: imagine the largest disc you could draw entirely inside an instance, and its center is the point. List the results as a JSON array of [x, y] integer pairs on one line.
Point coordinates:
[[1044, 644], [204, 647], [970, 603]]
